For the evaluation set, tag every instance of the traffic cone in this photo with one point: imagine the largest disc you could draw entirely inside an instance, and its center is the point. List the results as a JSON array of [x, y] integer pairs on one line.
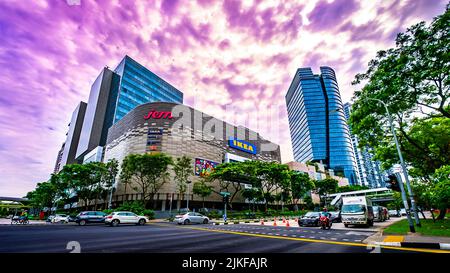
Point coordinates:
[[284, 220], [262, 221], [287, 224], [275, 222]]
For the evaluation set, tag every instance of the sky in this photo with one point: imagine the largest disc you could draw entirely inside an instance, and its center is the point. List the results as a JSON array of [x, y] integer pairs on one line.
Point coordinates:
[[228, 58]]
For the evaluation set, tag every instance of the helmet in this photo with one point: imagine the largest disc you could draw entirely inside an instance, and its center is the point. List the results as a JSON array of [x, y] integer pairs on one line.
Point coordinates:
[[325, 209]]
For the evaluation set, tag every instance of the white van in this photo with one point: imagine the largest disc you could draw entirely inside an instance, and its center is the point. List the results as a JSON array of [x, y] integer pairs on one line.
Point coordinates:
[[357, 210]]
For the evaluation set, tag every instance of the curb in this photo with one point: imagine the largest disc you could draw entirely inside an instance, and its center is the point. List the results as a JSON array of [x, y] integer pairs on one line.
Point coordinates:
[[415, 245]]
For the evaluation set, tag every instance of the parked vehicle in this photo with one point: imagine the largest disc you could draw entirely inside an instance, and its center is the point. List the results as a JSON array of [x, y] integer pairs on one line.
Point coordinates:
[[125, 217], [309, 219], [394, 213], [191, 217], [60, 218], [357, 210], [403, 212], [50, 218], [336, 216], [378, 214], [87, 217], [325, 221]]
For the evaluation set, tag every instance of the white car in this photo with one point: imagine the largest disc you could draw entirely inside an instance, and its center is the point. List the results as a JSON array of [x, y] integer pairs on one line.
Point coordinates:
[[125, 217], [191, 217], [60, 218]]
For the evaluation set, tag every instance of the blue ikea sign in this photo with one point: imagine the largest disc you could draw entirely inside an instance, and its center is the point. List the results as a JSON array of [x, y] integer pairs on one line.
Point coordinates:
[[242, 145]]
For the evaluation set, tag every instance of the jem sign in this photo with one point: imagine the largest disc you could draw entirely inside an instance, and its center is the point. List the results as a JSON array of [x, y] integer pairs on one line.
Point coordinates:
[[158, 115]]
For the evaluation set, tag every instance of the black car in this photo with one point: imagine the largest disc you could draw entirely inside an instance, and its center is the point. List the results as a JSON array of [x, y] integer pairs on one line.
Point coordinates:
[[87, 217], [309, 219], [336, 216]]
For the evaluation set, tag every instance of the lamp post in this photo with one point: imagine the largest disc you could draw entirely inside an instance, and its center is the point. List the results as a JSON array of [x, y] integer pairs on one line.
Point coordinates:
[[111, 193], [405, 170], [187, 204]]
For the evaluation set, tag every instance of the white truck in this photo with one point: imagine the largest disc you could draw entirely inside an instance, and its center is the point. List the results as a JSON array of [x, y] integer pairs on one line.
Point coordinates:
[[357, 210]]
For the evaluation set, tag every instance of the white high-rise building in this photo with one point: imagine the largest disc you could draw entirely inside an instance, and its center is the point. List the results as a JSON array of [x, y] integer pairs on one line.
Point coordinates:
[[369, 170]]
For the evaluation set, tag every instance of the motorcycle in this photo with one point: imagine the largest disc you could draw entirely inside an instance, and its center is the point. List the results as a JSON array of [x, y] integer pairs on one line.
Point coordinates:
[[325, 222]]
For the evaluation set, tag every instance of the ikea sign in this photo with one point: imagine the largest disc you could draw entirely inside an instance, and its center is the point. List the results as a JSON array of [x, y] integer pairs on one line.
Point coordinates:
[[242, 145]]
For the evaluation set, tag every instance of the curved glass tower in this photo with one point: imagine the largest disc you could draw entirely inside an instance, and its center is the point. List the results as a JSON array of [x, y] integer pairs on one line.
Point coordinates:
[[318, 126]]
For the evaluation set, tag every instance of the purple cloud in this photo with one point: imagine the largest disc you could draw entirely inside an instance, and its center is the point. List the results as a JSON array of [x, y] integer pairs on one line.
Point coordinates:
[[244, 55], [326, 16]]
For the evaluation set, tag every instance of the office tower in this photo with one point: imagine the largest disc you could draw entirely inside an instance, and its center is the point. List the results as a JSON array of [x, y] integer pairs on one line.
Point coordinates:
[[69, 148], [369, 170], [113, 95], [319, 130]]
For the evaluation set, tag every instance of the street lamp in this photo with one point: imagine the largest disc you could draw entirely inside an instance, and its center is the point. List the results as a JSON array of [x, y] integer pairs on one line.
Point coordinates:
[[111, 193], [405, 172], [188, 182]]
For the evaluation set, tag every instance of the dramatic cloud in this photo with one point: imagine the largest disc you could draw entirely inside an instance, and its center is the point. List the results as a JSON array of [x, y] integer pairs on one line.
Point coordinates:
[[227, 57]]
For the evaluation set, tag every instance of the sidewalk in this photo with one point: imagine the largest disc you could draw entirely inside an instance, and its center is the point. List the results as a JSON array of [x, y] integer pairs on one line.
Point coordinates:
[[4, 221]]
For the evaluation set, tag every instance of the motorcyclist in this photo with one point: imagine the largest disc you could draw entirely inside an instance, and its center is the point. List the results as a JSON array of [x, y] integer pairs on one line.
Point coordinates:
[[326, 213]]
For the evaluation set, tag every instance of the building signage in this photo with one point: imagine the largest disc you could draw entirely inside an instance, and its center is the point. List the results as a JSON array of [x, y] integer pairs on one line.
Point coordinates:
[[158, 115], [242, 145], [154, 137], [204, 167], [155, 131]]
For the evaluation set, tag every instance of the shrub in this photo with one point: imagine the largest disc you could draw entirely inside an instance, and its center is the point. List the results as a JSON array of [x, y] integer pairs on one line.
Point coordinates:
[[107, 211], [149, 213], [135, 206]]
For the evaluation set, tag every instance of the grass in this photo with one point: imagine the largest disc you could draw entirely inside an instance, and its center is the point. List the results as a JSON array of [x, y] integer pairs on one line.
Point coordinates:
[[439, 228]]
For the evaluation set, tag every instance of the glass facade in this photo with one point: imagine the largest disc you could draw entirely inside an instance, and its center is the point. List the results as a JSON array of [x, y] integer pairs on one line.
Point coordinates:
[[139, 85], [318, 126], [370, 172]]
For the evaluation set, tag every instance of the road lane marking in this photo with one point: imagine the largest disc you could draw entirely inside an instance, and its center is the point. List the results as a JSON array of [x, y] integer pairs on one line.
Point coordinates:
[[310, 240]]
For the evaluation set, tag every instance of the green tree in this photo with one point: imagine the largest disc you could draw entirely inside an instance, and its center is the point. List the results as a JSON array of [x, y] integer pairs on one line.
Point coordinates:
[[300, 184], [112, 168], [441, 190], [271, 177], [149, 172], [183, 170], [232, 176], [202, 189], [413, 80], [326, 186]]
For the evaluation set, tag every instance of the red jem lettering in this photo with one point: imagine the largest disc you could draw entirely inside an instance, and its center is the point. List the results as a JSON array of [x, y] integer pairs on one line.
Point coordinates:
[[157, 115]]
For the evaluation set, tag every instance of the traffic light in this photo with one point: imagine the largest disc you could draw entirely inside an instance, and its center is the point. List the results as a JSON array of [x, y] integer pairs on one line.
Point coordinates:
[[393, 183], [225, 199]]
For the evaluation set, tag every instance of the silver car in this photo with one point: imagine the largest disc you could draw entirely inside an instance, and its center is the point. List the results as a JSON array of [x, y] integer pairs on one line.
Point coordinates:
[[191, 217]]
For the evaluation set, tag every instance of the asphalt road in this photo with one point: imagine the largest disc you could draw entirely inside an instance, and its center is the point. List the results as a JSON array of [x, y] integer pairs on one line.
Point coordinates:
[[171, 238]]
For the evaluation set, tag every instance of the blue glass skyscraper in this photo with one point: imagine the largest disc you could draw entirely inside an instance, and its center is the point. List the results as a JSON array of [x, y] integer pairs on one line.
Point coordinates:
[[319, 130], [115, 93], [139, 85]]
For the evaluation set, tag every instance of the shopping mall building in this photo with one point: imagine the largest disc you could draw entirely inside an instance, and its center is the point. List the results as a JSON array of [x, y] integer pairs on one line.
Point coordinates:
[[131, 110], [178, 130]]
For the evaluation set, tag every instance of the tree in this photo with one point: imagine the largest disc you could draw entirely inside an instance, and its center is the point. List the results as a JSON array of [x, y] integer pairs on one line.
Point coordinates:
[[441, 190], [430, 151], [149, 171], [300, 184], [271, 176], [202, 189], [126, 172], [326, 186], [44, 195], [413, 80], [234, 175], [112, 168], [183, 170]]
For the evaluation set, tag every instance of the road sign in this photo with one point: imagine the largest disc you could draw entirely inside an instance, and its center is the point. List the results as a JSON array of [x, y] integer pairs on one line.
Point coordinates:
[[224, 217], [224, 193]]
